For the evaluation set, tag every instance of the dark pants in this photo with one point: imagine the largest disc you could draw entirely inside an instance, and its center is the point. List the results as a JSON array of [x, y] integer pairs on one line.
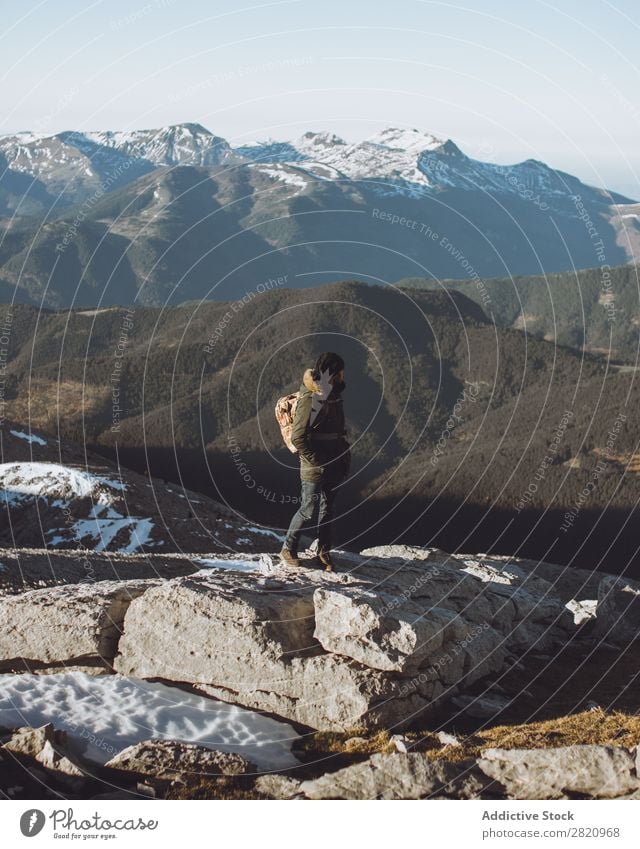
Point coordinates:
[[320, 496]]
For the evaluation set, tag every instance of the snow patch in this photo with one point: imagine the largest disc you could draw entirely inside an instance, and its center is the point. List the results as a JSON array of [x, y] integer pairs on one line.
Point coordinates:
[[278, 172], [104, 714], [21, 481], [409, 140], [29, 437], [103, 529], [264, 531], [232, 565]]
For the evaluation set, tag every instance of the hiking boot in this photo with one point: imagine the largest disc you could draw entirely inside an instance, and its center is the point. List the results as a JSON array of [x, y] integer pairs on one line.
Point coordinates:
[[290, 557], [325, 559]]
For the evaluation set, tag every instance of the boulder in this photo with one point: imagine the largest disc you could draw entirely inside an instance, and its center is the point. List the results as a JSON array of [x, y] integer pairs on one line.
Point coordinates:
[[367, 627], [60, 624], [278, 786], [617, 611], [583, 610], [248, 640], [593, 771], [48, 747], [398, 776], [368, 648], [169, 759]]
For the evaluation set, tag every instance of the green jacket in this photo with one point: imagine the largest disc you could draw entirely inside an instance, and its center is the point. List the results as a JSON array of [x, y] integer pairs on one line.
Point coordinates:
[[323, 448]]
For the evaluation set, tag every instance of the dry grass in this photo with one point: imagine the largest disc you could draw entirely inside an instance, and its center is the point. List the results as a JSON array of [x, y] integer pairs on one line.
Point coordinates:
[[628, 460], [48, 400], [588, 727]]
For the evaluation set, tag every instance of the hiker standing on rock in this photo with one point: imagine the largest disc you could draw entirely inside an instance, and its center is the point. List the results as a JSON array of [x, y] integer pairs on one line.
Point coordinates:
[[319, 436]]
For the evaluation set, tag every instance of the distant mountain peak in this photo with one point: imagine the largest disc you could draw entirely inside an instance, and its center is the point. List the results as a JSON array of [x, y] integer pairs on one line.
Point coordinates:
[[411, 139], [320, 139]]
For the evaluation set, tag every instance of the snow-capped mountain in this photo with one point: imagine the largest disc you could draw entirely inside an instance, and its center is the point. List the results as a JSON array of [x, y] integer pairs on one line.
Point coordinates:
[[393, 161], [72, 166], [413, 163], [183, 144], [178, 213]]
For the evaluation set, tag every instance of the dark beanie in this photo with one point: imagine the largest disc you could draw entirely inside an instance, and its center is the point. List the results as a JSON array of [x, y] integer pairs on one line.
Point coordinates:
[[331, 361]]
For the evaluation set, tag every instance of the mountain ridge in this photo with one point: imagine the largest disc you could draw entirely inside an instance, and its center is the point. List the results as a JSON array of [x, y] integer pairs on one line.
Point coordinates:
[[154, 217]]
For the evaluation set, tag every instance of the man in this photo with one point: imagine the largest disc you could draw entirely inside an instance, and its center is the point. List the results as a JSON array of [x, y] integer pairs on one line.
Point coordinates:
[[319, 434]]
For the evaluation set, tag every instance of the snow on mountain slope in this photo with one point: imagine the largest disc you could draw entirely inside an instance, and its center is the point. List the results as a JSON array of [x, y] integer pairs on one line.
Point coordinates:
[[59, 496], [410, 140], [29, 437], [20, 481], [284, 173], [183, 144], [61, 486], [413, 163], [73, 166], [395, 160], [391, 156]]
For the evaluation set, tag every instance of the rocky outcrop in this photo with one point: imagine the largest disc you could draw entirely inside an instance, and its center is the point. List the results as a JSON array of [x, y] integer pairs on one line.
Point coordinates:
[[275, 786], [47, 747], [585, 771], [398, 776], [597, 772], [396, 631], [61, 624], [370, 646], [618, 610], [169, 759]]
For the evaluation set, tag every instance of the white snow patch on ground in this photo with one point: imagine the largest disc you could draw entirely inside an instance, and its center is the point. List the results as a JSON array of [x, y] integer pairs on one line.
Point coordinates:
[[102, 530], [29, 437], [21, 481], [264, 531], [277, 172], [233, 565], [104, 714]]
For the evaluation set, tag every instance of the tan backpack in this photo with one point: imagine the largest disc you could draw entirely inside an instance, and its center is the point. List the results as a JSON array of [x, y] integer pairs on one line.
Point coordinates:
[[285, 412]]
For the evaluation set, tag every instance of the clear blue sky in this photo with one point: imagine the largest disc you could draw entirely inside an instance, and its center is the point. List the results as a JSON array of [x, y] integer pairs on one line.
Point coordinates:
[[507, 80]]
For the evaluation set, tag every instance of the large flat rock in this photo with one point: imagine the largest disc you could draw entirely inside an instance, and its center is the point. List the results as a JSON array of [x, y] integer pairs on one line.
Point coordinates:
[[368, 647], [64, 624]]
